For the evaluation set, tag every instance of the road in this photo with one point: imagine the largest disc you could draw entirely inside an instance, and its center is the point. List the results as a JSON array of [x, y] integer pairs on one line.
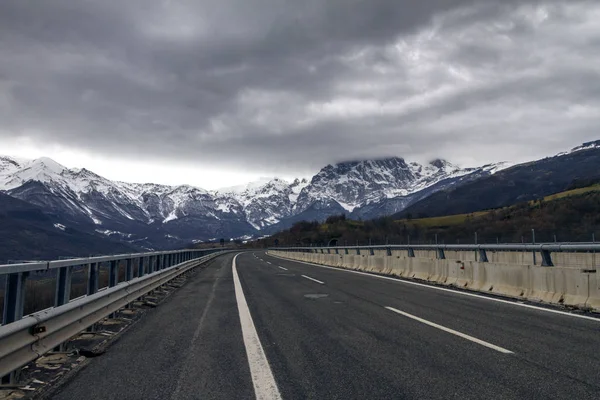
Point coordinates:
[[297, 331]]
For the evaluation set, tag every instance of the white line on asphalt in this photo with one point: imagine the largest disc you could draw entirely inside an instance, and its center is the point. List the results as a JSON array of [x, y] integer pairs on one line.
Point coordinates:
[[452, 331], [567, 314], [313, 279], [264, 383], [285, 269], [268, 262]]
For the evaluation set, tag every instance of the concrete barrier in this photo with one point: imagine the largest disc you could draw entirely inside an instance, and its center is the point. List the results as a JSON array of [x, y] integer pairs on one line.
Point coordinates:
[[506, 273]]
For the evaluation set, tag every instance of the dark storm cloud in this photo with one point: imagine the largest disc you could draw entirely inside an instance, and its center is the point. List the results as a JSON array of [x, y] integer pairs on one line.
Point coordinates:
[[277, 85]]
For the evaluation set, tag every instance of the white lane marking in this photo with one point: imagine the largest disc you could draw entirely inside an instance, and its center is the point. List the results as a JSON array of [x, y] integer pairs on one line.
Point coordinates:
[[448, 290], [264, 383], [285, 269], [268, 263], [313, 279], [452, 331]]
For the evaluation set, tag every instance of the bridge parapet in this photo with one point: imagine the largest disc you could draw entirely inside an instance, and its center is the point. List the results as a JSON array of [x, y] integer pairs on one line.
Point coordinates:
[[25, 338], [567, 274]]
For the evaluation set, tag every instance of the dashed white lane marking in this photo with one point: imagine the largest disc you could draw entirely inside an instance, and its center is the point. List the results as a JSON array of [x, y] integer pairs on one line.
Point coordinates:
[[285, 269], [458, 293], [313, 279], [268, 263], [264, 383], [452, 331]]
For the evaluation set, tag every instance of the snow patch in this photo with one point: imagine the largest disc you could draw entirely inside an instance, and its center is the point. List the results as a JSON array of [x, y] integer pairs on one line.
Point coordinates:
[[60, 226], [172, 216]]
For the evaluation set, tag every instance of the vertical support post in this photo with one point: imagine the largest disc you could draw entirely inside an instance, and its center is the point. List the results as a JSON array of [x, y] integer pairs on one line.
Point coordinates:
[[346, 250], [62, 293], [92, 283], [14, 304], [483, 256], [140, 267], [113, 278], [112, 274], [440, 254], [533, 241], [389, 251], [411, 252], [129, 270], [14, 297], [476, 242], [92, 286], [547, 259], [358, 251], [371, 251]]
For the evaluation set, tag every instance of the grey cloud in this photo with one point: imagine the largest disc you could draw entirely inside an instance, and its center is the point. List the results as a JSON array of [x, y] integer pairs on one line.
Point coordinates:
[[288, 86]]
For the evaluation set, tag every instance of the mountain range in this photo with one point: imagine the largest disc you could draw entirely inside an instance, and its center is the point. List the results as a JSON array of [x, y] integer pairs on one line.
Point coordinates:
[[159, 216], [153, 216]]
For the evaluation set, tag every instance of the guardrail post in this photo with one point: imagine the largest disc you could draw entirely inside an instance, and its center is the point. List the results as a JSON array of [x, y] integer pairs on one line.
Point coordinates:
[[440, 254], [346, 250], [112, 273], [129, 270], [411, 252], [389, 251], [372, 251], [483, 256], [547, 259], [113, 278], [328, 251], [14, 297], [357, 251], [140, 267], [92, 284], [151, 264], [337, 251], [63, 286]]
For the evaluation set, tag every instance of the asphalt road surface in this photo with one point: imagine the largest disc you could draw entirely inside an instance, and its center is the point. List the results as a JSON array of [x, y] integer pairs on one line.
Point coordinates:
[[269, 328]]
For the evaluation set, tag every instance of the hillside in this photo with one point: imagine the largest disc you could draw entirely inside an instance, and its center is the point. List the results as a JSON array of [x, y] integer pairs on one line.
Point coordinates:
[[28, 233], [520, 183], [570, 216]]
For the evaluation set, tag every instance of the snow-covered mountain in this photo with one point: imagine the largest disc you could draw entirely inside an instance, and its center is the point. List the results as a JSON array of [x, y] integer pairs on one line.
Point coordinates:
[[155, 215]]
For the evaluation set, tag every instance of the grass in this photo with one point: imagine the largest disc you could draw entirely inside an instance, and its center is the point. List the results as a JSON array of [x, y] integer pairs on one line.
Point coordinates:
[[574, 192], [458, 219], [447, 220]]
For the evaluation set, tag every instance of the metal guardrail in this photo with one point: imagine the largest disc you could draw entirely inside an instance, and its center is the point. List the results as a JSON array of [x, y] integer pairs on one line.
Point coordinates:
[[545, 249], [23, 339]]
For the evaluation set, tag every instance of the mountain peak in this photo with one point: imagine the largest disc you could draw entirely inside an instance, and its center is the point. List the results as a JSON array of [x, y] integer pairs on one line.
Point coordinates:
[[439, 163], [47, 164]]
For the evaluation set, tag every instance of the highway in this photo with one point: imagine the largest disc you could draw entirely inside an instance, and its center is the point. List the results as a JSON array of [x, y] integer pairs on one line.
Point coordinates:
[[272, 328]]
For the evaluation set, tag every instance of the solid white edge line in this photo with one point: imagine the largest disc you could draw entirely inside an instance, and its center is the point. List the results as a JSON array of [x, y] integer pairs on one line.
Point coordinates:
[[285, 269], [264, 383], [514, 303], [452, 331], [312, 279]]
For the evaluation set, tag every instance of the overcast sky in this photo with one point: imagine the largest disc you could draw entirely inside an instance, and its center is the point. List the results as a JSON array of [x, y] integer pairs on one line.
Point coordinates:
[[219, 92]]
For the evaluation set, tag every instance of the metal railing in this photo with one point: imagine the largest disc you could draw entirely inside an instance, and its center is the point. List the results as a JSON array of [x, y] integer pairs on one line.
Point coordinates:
[[23, 339], [481, 250]]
